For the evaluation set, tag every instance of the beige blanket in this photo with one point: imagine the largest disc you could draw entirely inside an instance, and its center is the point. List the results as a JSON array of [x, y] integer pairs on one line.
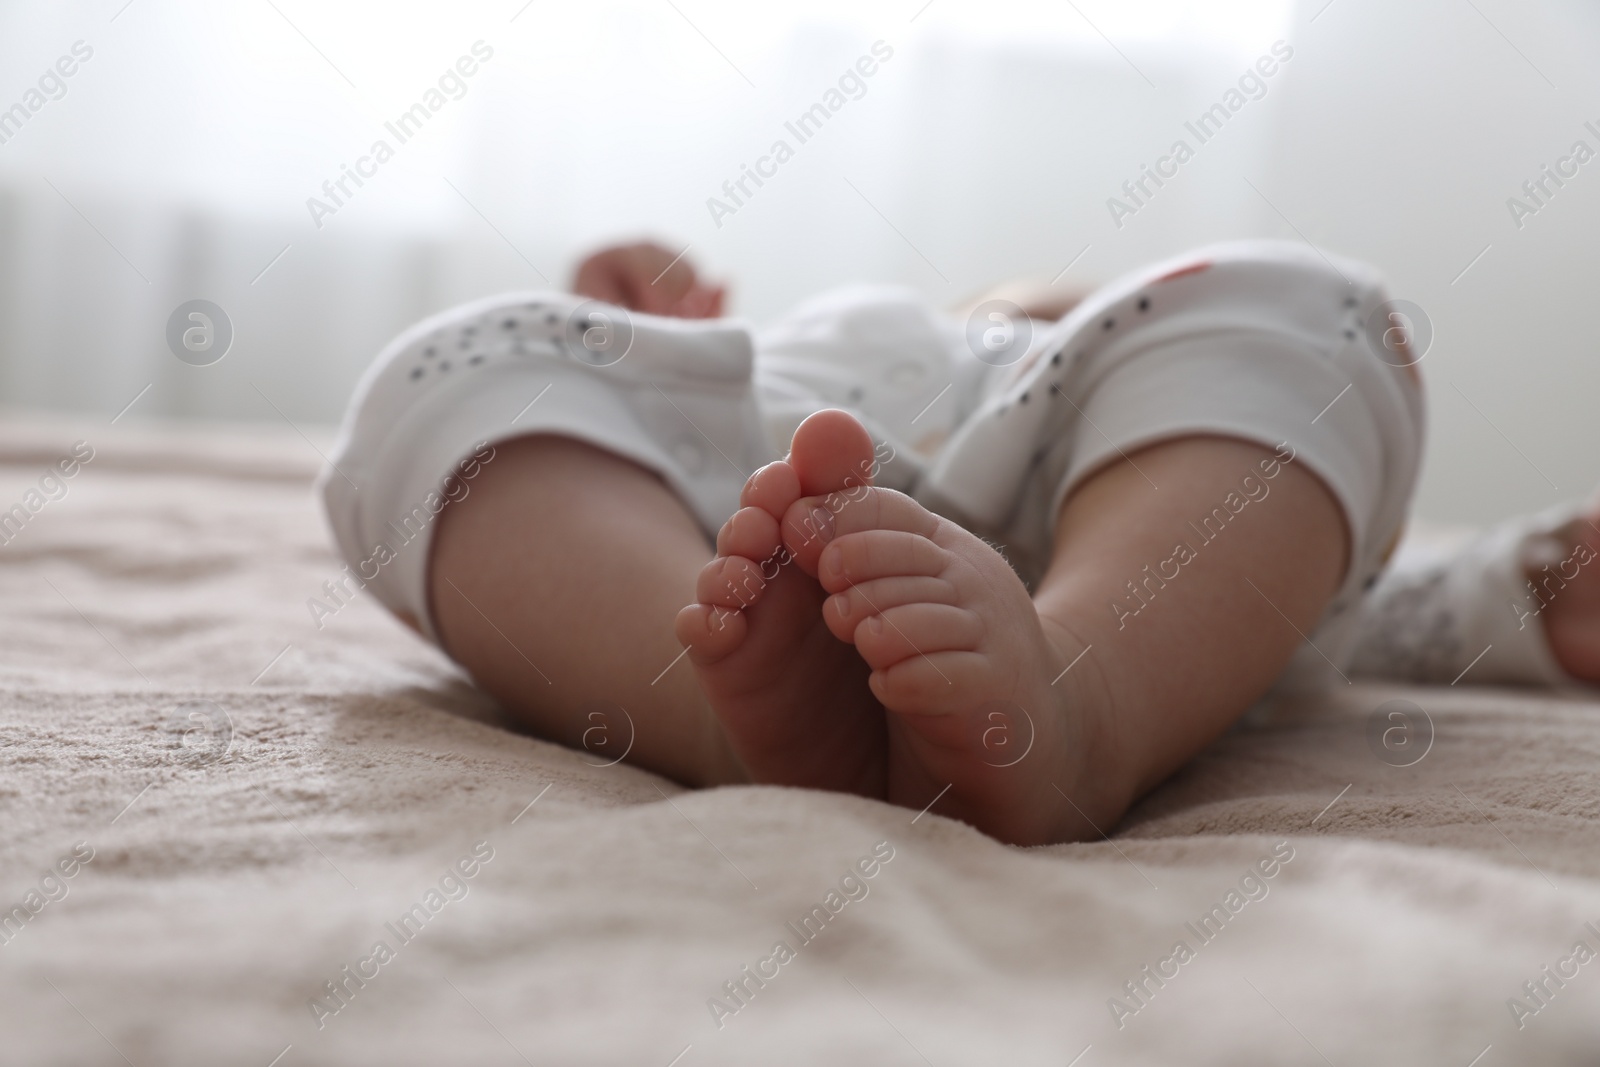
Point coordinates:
[[249, 807]]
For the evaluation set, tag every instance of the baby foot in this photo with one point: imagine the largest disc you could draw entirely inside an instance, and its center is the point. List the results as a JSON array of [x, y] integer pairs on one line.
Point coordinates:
[[984, 720], [792, 698], [1572, 618]]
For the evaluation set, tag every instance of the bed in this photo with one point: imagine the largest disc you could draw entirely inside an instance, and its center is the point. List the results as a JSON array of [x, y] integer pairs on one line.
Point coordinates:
[[250, 805]]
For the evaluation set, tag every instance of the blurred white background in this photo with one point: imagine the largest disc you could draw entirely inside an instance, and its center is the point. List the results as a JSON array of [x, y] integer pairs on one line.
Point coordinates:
[[178, 163]]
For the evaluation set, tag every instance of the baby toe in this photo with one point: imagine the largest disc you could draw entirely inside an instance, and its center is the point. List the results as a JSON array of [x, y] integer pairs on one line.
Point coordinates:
[[940, 683], [773, 489], [730, 582], [846, 610], [710, 633], [812, 522], [876, 554], [898, 634], [751, 533], [831, 450]]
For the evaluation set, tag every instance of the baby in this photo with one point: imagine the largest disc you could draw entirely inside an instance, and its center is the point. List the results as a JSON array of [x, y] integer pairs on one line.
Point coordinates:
[[1015, 573]]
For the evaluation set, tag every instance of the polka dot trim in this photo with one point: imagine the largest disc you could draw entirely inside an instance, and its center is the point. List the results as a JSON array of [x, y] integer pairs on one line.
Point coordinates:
[[1059, 357], [480, 344]]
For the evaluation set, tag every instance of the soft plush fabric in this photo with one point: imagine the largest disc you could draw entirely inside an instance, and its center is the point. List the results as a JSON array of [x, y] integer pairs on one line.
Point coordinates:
[[265, 800]]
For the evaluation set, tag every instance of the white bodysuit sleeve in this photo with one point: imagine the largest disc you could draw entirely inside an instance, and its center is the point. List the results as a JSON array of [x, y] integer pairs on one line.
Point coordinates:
[[1470, 612]]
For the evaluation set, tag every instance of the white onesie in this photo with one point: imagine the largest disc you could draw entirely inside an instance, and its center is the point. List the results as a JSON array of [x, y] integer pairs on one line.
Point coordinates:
[[1263, 341]]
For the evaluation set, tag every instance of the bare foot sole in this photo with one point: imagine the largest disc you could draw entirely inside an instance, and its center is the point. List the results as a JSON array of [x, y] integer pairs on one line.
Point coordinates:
[[983, 720], [792, 698]]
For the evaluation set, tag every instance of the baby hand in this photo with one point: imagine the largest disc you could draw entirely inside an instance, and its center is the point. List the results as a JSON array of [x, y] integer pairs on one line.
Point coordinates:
[[648, 277]]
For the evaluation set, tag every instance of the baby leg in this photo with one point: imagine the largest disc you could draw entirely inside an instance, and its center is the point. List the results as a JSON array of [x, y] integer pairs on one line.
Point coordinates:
[[555, 584], [1182, 557], [791, 696], [1041, 721], [1206, 644]]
